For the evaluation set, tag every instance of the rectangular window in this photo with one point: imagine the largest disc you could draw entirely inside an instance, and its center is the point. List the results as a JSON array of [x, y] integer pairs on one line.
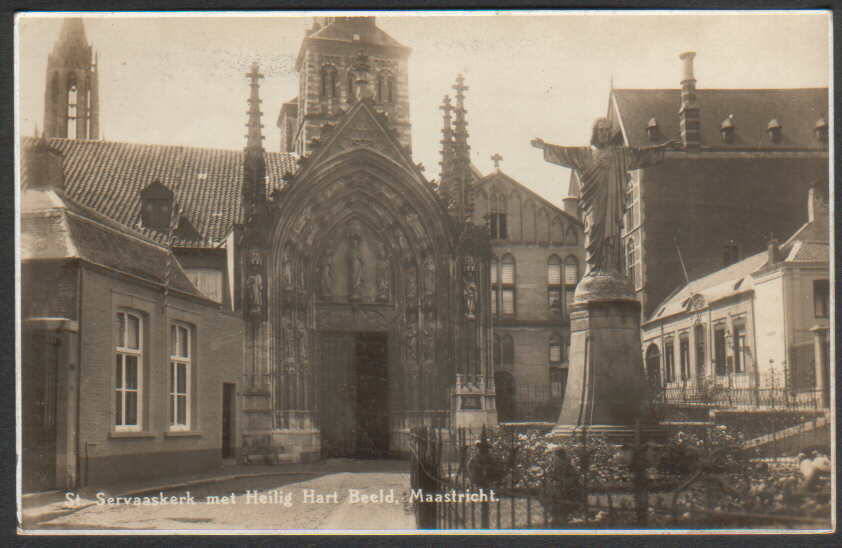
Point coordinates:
[[508, 301], [720, 365], [821, 298], [179, 377], [128, 372], [684, 357], [669, 362], [739, 349], [554, 298], [497, 226], [555, 352], [699, 334]]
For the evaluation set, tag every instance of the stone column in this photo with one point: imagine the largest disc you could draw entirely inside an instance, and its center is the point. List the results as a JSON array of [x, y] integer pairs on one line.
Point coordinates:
[[821, 365], [607, 391]]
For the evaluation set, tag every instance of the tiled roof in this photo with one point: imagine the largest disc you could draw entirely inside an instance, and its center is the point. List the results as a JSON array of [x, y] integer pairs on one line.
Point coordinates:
[[731, 280], [797, 111], [108, 177], [498, 175], [342, 30], [55, 227], [809, 252]]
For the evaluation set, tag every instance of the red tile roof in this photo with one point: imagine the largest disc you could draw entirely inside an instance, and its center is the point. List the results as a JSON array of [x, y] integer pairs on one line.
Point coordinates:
[[108, 177], [797, 111], [55, 227]]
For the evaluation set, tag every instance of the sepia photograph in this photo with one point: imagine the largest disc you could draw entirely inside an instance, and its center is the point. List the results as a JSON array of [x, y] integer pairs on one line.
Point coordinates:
[[403, 272]]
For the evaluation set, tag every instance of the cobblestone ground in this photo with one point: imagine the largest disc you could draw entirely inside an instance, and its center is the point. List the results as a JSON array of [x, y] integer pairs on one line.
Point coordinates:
[[369, 499]]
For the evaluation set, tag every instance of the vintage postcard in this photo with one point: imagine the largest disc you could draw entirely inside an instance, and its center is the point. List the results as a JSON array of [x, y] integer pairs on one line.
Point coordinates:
[[399, 272]]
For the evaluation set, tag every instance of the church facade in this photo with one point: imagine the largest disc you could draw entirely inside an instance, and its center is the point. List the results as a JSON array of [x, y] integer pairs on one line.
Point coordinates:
[[359, 289]]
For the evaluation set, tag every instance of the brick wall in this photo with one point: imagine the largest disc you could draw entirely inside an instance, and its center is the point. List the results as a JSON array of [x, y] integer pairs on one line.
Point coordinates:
[[107, 455], [48, 289], [705, 202]]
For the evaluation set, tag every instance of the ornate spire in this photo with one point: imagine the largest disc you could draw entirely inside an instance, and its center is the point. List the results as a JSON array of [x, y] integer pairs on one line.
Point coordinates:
[[446, 139], [461, 154], [254, 139], [254, 165]]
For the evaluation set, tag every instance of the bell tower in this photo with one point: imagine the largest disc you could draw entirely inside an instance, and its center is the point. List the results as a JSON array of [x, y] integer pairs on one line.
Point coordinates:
[[71, 101], [343, 60]]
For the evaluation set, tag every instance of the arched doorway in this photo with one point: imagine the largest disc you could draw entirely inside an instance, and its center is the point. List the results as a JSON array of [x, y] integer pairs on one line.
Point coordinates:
[[653, 368]]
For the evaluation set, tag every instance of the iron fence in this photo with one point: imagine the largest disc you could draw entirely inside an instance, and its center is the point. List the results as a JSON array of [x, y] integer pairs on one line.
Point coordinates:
[[724, 396], [488, 479]]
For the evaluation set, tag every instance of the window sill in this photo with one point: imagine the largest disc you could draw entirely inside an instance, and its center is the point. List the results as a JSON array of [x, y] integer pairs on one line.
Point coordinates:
[[182, 434], [131, 435]]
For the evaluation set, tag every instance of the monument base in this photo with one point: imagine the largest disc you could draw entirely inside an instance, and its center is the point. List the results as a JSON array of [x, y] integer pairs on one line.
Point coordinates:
[[618, 434], [607, 392]]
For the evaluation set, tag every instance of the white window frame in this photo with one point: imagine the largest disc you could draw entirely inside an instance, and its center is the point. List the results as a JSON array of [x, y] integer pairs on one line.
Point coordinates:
[[122, 352], [178, 360]]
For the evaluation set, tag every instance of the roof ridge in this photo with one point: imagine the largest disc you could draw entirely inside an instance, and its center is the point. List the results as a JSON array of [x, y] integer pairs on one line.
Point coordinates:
[[93, 142]]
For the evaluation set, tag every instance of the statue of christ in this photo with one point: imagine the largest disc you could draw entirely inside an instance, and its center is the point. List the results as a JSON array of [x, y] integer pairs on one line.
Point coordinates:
[[603, 171]]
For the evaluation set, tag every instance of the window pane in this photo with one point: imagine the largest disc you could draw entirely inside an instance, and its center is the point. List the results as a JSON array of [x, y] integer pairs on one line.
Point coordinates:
[[131, 408], [493, 271], [173, 339], [131, 372], [508, 273], [554, 274], [118, 372], [555, 352], [183, 342], [181, 416], [121, 329], [508, 301], [118, 412], [133, 332], [181, 378], [571, 272]]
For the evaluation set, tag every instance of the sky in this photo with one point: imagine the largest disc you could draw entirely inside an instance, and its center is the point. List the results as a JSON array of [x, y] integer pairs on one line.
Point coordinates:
[[181, 79]]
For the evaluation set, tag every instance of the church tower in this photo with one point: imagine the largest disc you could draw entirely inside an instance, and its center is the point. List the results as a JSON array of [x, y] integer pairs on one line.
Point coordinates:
[[343, 60], [71, 102]]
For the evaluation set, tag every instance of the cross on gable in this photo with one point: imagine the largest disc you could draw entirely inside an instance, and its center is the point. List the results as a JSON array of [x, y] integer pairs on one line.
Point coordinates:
[[496, 159]]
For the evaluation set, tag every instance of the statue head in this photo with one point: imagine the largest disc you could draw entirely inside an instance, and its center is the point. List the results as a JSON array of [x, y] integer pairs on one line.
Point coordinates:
[[602, 132]]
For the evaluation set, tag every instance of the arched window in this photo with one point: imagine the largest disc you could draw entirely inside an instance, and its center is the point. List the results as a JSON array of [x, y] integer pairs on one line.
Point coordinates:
[[497, 218], [351, 94], [72, 104], [328, 87], [571, 236], [385, 88], [495, 285], [555, 289], [631, 262], [507, 284], [669, 361]]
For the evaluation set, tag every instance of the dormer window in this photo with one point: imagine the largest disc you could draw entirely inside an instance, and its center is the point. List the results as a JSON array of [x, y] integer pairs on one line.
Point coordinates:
[[652, 131], [821, 130], [774, 129], [727, 129], [156, 205]]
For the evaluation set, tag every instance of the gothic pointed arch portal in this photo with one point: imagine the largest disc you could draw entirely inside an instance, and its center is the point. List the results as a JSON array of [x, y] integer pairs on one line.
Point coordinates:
[[360, 259]]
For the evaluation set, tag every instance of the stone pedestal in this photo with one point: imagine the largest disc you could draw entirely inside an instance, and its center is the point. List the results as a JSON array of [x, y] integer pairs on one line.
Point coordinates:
[[607, 391]]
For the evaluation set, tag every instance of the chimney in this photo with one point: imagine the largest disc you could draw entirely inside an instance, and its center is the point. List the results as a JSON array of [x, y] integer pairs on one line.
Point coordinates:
[[45, 168], [689, 112], [730, 253], [772, 248]]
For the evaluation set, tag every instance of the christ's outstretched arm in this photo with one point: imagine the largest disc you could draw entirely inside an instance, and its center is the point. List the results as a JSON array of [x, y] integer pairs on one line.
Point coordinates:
[[577, 158]]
